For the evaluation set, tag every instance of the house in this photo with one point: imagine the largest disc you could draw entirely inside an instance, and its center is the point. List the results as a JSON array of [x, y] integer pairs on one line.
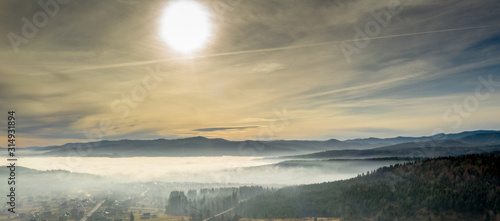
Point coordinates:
[[146, 216]]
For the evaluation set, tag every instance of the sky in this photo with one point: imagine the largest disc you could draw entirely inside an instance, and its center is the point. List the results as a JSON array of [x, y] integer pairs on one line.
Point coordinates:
[[79, 71]]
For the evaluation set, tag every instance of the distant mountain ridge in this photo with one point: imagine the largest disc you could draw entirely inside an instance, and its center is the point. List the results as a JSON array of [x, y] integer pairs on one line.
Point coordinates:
[[480, 139], [201, 146], [399, 139], [473, 143]]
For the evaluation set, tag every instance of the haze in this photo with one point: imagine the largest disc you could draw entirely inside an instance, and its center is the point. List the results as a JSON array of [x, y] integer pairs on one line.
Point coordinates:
[[222, 170]]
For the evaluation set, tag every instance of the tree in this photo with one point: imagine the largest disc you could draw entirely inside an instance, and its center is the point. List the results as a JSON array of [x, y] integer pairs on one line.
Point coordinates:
[[177, 203], [132, 216], [487, 216]]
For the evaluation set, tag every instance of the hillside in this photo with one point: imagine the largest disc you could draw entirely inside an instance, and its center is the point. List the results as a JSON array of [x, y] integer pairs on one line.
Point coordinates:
[[447, 188]]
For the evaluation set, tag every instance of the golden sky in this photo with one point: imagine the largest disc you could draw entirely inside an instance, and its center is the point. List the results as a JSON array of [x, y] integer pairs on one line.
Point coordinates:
[[272, 69]]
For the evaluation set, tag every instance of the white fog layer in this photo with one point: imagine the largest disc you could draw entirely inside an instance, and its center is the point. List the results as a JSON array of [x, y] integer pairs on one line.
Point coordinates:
[[226, 169]]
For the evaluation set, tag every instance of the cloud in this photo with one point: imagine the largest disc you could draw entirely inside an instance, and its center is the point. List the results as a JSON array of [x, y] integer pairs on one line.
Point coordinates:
[[94, 53], [267, 68], [223, 128]]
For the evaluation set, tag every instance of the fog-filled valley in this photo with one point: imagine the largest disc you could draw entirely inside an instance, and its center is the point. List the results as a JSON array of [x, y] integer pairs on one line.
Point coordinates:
[[201, 186], [239, 170]]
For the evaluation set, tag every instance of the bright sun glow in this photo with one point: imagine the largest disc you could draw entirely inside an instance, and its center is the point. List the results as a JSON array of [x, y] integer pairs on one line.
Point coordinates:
[[185, 26]]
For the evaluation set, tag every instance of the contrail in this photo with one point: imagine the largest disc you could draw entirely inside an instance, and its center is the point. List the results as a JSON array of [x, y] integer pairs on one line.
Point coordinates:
[[262, 50]]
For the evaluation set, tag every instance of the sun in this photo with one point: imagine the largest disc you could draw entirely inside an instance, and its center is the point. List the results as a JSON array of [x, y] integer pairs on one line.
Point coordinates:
[[185, 26]]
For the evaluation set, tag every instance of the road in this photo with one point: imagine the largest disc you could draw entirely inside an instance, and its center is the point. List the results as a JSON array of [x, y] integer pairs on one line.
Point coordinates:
[[143, 193], [92, 211], [216, 215]]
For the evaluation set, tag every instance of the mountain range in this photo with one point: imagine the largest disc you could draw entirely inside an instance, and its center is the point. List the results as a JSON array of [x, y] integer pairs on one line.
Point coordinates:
[[470, 143], [439, 144]]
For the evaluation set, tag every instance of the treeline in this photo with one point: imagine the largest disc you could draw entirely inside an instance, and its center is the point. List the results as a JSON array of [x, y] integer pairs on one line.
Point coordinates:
[[447, 188], [206, 203]]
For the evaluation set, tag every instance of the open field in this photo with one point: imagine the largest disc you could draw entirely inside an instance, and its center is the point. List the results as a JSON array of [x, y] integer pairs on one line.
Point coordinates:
[[296, 219]]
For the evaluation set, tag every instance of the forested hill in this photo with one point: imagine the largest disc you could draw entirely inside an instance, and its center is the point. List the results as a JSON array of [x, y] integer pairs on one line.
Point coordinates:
[[447, 188]]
